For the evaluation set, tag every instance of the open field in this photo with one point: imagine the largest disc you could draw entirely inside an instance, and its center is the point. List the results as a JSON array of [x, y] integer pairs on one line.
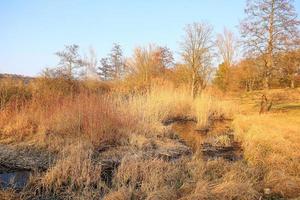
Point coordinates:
[[150, 100], [163, 144]]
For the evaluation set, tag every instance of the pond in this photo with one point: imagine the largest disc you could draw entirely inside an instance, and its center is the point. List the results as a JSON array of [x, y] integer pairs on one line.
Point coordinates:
[[14, 179]]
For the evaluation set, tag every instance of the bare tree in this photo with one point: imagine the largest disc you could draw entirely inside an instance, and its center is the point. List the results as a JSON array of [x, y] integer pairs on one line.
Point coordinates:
[[165, 57], [91, 64], [270, 27], [196, 51], [226, 45], [70, 61], [146, 63], [149, 62]]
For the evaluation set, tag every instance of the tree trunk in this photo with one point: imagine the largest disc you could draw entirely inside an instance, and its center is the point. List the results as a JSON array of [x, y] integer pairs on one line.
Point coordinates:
[[265, 104], [293, 83], [266, 82], [193, 83], [195, 89], [269, 63]]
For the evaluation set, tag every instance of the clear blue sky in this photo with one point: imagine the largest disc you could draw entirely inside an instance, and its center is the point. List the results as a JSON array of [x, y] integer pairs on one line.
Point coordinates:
[[32, 30]]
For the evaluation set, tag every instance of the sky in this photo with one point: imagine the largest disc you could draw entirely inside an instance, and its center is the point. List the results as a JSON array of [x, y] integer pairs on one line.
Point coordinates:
[[32, 31]]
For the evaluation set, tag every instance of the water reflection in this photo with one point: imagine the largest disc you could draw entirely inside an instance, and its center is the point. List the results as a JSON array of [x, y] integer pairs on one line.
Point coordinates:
[[16, 180]]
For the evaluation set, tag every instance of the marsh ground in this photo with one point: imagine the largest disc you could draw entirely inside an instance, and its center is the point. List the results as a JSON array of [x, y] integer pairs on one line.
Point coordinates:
[[111, 146]]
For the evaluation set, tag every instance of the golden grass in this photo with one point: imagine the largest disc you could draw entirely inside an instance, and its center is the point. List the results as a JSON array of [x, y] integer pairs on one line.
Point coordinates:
[[95, 117], [271, 144], [76, 123], [75, 173], [120, 194], [154, 178], [218, 179], [161, 103], [205, 106]]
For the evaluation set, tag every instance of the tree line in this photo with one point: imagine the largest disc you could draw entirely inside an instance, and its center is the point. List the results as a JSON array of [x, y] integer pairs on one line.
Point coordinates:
[[269, 42]]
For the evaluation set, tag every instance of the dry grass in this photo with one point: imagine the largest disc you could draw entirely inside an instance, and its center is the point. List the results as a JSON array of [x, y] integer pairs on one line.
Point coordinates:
[[74, 176], [271, 141], [162, 103], [205, 106], [95, 117], [8, 195], [120, 194], [219, 179], [271, 144], [77, 122], [152, 107], [150, 179]]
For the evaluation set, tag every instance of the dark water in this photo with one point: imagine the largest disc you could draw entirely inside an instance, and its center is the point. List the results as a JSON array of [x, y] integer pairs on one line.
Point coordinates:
[[15, 180]]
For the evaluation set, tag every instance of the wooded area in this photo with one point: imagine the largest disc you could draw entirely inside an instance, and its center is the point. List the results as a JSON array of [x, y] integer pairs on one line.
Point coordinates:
[[265, 55]]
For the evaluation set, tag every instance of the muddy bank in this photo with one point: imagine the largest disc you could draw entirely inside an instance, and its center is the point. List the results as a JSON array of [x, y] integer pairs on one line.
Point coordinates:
[[24, 158], [181, 119], [216, 140], [17, 164]]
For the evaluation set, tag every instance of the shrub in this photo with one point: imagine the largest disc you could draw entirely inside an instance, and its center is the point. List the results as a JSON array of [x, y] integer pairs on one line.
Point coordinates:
[[13, 93]]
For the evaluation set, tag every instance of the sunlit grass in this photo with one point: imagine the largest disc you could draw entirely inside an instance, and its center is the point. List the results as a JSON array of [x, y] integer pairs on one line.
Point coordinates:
[[75, 125], [271, 143]]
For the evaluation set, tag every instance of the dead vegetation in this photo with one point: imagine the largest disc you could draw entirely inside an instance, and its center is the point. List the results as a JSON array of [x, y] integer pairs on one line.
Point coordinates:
[[271, 144], [151, 127], [90, 144]]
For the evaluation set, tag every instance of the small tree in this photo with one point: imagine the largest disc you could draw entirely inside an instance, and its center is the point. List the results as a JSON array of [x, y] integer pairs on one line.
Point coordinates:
[[196, 51], [248, 76], [112, 67], [165, 57], [105, 70], [117, 61], [226, 46], [70, 61], [149, 62], [222, 77], [289, 66]]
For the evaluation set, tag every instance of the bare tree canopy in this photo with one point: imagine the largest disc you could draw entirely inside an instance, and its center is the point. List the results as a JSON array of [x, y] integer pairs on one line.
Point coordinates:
[[91, 64], [226, 45], [149, 62], [270, 26], [165, 57], [196, 51]]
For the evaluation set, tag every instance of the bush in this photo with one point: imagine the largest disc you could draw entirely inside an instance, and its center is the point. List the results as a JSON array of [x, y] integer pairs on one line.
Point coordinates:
[[13, 93]]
